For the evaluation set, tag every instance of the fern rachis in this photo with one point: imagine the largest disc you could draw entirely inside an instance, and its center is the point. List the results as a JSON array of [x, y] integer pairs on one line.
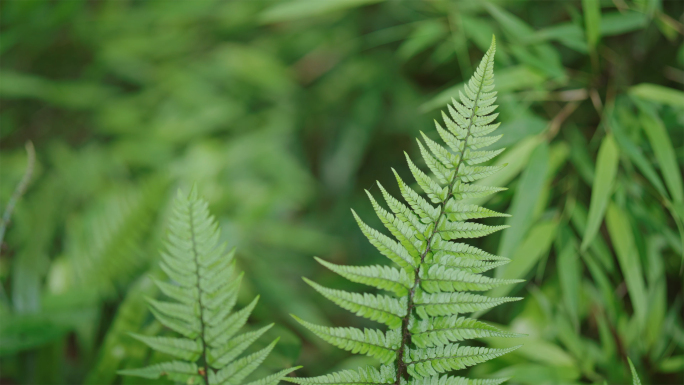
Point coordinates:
[[204, 293], [432, 285]]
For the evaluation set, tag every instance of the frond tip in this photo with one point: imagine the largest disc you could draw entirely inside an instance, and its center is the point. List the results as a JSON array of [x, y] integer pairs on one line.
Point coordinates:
[[433, 284], [201, 296]]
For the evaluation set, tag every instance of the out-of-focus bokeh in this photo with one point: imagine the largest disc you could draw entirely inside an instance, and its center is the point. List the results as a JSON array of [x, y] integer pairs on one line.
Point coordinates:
[[282, 113]]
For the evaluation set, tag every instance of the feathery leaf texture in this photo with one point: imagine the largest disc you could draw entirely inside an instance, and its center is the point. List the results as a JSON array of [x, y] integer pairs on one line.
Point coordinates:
[[204, 291], [436, 273]]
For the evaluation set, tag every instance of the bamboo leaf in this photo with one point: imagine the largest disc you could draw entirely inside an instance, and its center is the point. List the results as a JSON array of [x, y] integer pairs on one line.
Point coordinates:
[[526, 197], [622, 238], [659, 94], [606, 170], [664, 152]]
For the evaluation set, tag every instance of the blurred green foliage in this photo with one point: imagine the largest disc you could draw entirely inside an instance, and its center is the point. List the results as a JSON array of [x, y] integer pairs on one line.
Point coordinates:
[[283, 112]]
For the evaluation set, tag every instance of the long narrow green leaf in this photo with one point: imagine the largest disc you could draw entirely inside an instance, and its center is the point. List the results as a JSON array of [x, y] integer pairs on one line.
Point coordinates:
[[659, 94], [569, 274], [535, 245], [516, 159], [526, 196], [592, 22], [623, 242], [637, 157], [664, 152], [293, 10], [606, 170]]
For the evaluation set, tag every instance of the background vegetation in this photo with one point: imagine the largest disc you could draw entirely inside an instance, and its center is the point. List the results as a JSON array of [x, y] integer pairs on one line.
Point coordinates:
[[283, 113]]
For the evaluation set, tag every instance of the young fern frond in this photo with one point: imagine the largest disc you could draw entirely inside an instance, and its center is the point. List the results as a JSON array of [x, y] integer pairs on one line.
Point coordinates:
[[436, 273], [204, 292]]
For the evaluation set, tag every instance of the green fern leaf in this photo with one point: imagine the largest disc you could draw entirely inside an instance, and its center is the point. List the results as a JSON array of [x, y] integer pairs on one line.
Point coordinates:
[[403, 212], [382, 277], [381, 308], [441, 359], [183, 348], [444, 330], [635, 375], [437, 276], [387, 247], [163, 369], [365, 376], [441, 304], [449, 380], [441, 279], [370, 342], [200, 306]]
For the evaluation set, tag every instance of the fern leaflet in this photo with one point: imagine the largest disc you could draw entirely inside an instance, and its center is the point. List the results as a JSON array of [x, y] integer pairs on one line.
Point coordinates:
[[635, 377], [436, 273], [204, 291]]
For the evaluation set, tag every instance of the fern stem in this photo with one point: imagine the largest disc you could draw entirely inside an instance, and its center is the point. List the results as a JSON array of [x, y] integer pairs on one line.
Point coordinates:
[[405, 335], [204, 369]]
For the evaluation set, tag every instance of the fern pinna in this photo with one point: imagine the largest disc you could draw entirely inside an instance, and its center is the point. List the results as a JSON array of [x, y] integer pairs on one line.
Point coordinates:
[[436, 274], [205, 291]]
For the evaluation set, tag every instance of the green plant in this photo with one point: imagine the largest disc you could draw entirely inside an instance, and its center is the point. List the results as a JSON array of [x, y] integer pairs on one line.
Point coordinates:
[[432, 287], [205, 291], [635, 375]]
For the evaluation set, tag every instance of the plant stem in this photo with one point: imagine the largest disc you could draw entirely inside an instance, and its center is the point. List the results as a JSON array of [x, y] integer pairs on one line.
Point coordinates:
[[205, 372], [405, 335]]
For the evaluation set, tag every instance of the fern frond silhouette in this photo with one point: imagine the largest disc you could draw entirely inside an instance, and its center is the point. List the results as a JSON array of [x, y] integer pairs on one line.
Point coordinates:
[[105, 246], [436, 274], [204, 292]]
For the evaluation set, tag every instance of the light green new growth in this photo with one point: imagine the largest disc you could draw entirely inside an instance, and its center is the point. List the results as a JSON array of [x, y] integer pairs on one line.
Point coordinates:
[[204, 291], [435, 275], [635, 376]]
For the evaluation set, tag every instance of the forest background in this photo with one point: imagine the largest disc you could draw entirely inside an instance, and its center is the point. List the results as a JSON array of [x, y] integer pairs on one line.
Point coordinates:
[[282, 113]]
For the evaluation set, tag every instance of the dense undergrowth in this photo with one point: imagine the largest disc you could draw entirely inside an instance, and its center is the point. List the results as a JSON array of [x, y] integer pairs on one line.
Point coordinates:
[[283, 113]]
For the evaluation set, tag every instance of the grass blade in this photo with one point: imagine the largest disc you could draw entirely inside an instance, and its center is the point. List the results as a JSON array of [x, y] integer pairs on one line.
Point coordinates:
[[606, 169]]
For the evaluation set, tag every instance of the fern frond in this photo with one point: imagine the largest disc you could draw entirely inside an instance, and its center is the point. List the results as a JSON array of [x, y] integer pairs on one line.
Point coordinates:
[[201, 296], [104, 246], [436, 277]]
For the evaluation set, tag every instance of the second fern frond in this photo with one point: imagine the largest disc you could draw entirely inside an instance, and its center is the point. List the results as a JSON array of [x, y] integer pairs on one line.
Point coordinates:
[[204, 292]]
